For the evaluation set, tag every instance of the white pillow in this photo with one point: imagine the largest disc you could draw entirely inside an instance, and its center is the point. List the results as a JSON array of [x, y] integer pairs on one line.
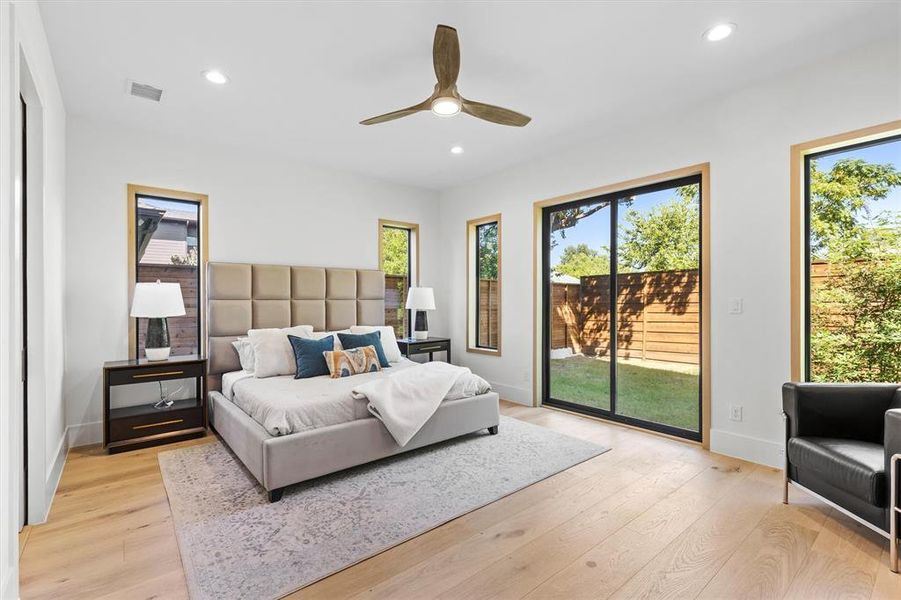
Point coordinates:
[[387, 337], [272, 352], [318, 335], [245, 353]]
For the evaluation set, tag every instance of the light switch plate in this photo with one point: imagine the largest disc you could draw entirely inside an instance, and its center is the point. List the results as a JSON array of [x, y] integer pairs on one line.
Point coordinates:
[[736, 306]]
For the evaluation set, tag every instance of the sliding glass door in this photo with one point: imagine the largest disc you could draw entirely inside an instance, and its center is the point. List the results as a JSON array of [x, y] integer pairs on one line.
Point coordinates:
[[622, 291]]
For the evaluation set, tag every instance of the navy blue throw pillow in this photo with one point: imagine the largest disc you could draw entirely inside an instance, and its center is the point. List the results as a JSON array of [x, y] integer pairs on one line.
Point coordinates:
[[308, 357], [350, 341]]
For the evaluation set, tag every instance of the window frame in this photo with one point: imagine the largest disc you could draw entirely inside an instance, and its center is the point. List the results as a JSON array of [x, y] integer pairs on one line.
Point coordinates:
[[133, 192], [799, 222], [472, 287], [412, 255]]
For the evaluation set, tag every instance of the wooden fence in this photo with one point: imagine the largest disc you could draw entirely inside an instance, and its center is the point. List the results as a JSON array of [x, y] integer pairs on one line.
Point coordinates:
[[488, 301], [182, 330], [659, 316], [396, 314]]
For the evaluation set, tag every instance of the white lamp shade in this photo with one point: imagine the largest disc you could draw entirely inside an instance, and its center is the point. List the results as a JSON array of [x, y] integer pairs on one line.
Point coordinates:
[[421, 298], [156, 300]]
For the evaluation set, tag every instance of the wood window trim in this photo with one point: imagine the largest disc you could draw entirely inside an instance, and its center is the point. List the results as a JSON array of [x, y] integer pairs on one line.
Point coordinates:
[[135, 190], [702, 169], [798, 226], [471, 342]]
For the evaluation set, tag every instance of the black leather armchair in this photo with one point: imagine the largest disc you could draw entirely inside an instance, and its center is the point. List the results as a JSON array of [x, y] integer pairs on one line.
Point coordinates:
[[843, 445]]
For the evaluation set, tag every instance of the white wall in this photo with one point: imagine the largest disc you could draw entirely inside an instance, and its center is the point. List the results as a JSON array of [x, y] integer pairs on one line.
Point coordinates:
[[746, 138], [260, 209], [24, 45]]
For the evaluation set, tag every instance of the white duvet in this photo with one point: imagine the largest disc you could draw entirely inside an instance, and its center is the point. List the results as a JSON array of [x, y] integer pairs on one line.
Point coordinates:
[[284, 405]]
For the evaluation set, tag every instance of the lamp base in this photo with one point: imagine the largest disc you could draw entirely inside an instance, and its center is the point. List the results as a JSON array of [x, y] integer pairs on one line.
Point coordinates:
[[421, 326], [157, 353], [156, 344]]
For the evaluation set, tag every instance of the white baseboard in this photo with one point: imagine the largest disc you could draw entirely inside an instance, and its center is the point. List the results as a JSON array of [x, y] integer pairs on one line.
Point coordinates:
[[85, 434], [56, 473], [764, 452], [513, 394]]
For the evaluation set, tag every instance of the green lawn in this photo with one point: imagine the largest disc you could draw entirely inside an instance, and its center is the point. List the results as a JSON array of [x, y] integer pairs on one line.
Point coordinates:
[[651, 394]]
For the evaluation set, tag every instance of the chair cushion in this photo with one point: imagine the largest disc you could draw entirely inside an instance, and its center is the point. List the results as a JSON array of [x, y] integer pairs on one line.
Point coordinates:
[[855, 467]]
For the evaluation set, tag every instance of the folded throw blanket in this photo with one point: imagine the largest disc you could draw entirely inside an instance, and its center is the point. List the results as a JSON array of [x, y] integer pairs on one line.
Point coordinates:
[[407, 399]]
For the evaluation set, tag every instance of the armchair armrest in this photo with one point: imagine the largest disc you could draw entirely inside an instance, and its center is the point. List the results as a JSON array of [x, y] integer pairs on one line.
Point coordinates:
[[840, 410], [892, 439]]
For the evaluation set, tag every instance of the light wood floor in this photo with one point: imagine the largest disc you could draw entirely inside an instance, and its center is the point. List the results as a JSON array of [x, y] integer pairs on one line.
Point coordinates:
[[653, 518]]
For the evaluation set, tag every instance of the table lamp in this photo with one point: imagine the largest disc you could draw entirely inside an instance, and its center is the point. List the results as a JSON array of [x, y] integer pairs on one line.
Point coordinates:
[[157, 301]]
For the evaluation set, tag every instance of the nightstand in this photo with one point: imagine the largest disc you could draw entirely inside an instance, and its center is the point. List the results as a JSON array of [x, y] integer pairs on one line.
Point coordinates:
[[142, 425], [411, 346]]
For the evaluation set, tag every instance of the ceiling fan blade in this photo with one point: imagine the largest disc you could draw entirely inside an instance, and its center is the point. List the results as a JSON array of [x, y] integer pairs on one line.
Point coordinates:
[[495, 114], [446, 56], [397, 114]]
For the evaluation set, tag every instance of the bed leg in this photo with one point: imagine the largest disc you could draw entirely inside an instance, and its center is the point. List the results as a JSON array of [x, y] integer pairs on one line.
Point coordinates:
[[276, 495], [493, 430]]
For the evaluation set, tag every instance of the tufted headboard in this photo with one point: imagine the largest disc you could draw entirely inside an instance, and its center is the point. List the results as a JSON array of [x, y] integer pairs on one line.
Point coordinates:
[[242, 296]]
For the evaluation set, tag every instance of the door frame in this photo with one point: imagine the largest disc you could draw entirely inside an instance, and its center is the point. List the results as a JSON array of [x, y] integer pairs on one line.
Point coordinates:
[[539, 379]]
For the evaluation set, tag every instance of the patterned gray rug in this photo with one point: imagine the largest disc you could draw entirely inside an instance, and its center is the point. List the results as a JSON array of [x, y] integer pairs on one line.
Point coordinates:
[[234, 544]]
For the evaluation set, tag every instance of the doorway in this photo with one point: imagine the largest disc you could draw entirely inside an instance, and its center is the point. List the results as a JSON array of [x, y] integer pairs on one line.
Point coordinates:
[[622, 319]]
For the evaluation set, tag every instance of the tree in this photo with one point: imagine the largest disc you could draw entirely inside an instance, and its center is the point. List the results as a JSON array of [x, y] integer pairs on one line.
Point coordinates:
[[487, 251], [395, 248], [842, 226], [581, 260], [665, 238]]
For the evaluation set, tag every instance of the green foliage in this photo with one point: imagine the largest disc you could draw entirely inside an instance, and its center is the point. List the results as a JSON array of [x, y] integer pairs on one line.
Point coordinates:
[[842, 223], [487, 251], [855, 314], [190, 259], [856, 322], [580, 260], [395, 249], [664, 238]]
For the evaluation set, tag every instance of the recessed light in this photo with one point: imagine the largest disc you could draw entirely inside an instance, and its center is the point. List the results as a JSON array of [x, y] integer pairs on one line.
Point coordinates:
[[217, 77], [445, 106], [719, 32], [457, 150]]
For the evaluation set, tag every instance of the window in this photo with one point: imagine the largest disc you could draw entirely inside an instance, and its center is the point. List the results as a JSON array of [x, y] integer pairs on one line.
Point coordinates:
[[484, 285], [851, 203], [399, 259], [167, 242]]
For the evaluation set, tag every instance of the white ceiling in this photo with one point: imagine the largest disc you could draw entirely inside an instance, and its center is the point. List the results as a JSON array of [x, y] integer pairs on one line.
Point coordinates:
[[304, 74]]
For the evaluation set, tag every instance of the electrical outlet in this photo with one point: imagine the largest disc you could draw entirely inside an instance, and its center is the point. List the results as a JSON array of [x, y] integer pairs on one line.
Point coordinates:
[[735, 413], [736, 306]]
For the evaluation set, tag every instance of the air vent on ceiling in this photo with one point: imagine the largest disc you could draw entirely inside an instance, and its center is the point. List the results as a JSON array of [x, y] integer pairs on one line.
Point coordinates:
[[142, 90]]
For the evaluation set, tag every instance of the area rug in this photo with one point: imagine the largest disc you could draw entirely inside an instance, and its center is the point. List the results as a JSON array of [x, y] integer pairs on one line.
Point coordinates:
[[235, 544]]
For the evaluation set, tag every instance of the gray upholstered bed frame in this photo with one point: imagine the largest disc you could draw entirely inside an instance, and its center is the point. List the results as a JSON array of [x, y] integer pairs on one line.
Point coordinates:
[[250, 296]]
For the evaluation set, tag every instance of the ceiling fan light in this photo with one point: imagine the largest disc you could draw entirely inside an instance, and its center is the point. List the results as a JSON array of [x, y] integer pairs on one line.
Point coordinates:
[[445, 106]]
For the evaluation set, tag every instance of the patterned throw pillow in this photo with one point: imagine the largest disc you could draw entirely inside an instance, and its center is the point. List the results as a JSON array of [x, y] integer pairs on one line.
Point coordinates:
[[344, 363]]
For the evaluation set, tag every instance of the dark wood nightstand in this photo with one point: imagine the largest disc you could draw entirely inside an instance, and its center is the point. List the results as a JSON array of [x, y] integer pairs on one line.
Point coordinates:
[[133, 427], [411, 346]]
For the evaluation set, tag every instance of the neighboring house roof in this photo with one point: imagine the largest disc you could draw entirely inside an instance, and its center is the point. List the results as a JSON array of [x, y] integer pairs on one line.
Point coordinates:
[[160, 252], [564, 279]]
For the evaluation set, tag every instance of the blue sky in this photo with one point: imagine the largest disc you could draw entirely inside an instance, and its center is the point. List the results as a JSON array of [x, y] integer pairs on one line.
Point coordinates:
[[595, 230]]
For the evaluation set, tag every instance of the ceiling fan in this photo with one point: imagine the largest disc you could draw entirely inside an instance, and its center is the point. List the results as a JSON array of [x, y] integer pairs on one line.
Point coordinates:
[[445, 101]]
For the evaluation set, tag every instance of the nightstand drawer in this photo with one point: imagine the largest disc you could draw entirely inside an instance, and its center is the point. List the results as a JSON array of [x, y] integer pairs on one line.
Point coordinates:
[[160, 373], [430, 347], [135, 422]]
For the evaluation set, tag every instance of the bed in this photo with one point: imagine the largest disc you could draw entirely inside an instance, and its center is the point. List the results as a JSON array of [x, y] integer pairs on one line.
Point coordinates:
[[244, 296]]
